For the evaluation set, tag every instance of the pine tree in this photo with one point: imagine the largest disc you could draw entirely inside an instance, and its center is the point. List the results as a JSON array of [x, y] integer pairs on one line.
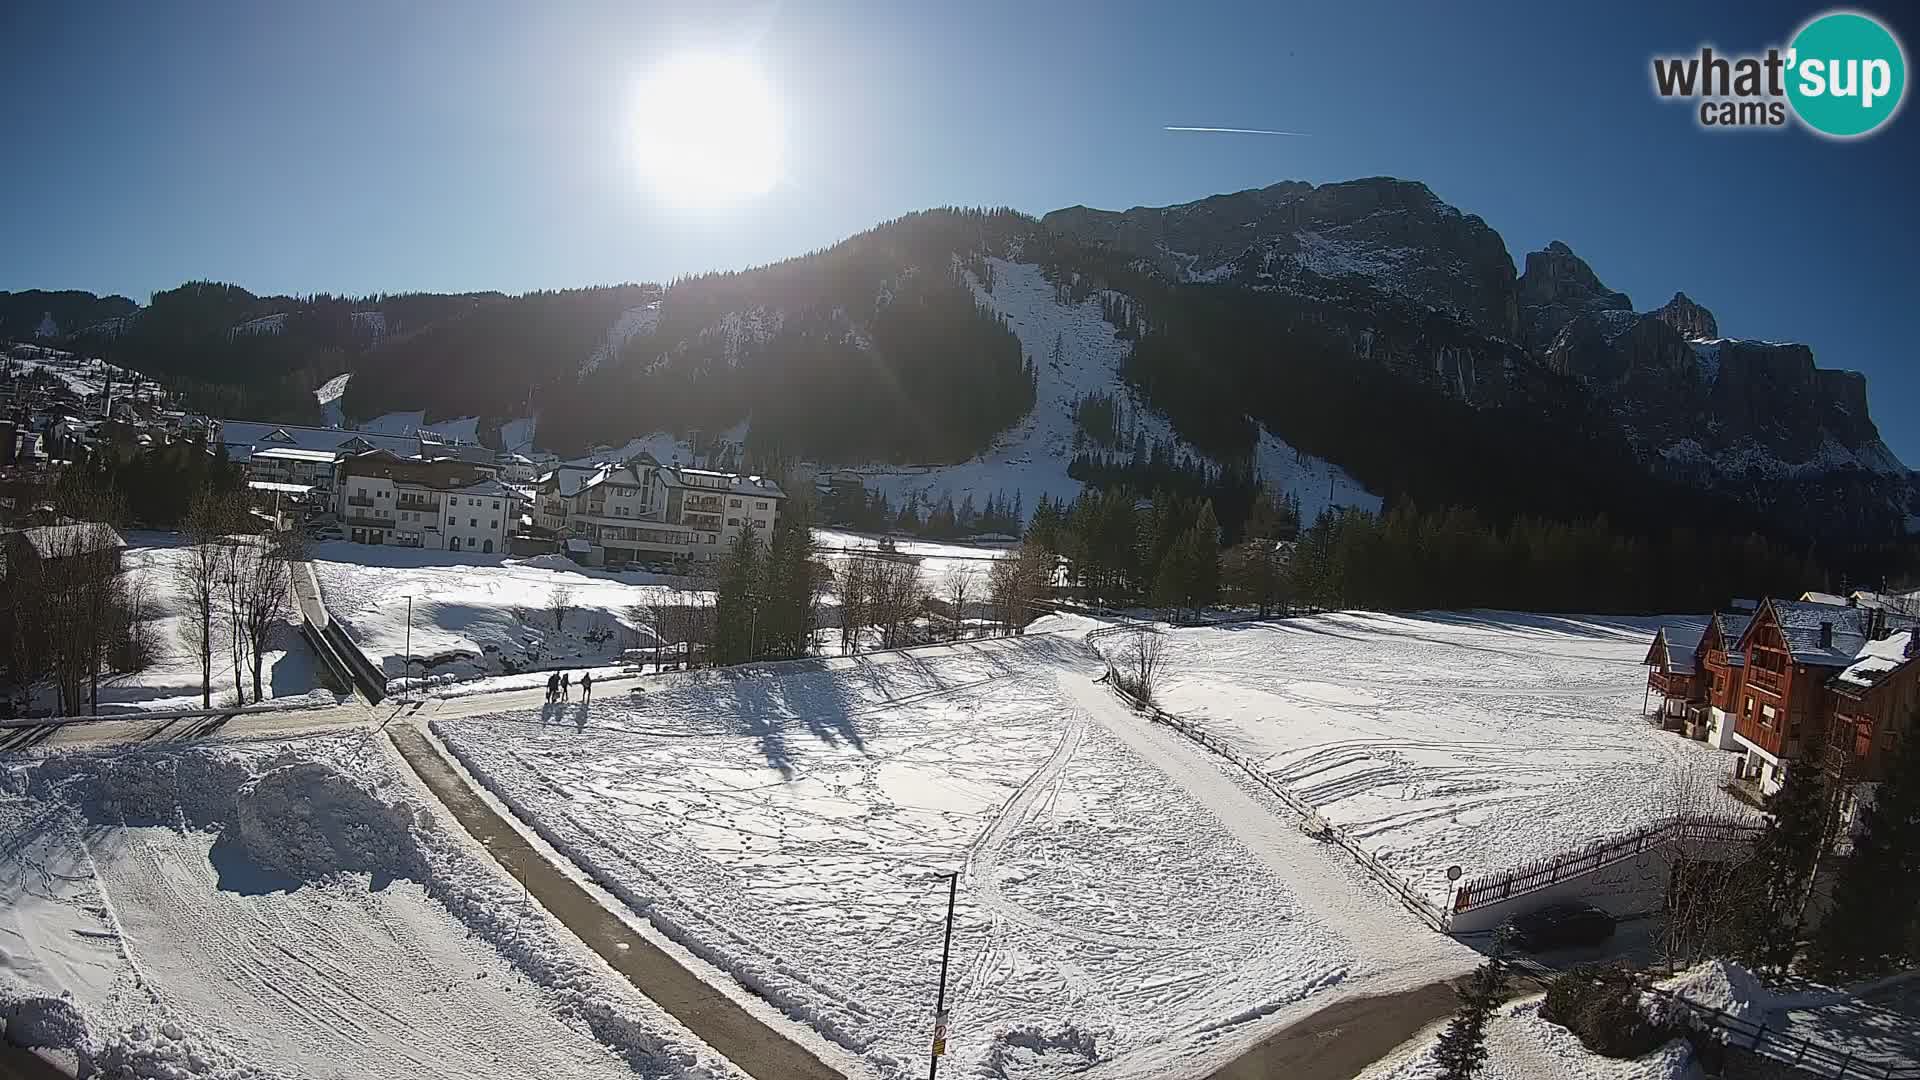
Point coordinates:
[[1764, 927], [1876, 902], [736, 602], [1463, 1046]]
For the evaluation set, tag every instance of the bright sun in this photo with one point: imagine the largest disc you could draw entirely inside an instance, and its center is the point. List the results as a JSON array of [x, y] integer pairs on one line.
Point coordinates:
[[709, 130]]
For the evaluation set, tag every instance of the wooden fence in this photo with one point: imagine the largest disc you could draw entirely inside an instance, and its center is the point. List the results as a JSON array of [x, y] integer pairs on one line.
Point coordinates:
[[1507, 884], [1432, 914], [1801, 1052]]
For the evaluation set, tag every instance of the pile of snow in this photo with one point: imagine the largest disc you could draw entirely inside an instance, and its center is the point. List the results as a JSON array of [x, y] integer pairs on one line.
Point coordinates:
[[189, 893], [308, 819], [1479, 739], [1722, 985]]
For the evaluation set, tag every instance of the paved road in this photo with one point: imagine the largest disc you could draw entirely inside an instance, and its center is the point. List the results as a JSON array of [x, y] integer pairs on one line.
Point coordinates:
[[1340, 1040], [721, 1022]]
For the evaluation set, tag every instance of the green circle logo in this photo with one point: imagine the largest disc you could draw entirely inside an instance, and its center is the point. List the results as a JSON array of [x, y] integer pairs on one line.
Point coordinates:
[[1846, 74]]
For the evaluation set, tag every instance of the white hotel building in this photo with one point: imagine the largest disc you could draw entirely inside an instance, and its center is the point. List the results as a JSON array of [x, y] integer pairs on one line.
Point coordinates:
[[644, 511]]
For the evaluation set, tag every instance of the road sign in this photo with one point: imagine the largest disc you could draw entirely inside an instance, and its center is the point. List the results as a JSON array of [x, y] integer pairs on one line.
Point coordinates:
[[939, 1034], [1453, 873]]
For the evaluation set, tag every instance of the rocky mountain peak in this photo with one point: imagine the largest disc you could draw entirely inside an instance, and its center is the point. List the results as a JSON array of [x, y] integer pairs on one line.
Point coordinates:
[[1557, 287], [1389, 235], [1694, 322]]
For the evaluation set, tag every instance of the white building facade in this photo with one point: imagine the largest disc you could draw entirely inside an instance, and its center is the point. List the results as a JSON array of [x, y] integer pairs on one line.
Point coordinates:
[[644, 511], [443, 504]]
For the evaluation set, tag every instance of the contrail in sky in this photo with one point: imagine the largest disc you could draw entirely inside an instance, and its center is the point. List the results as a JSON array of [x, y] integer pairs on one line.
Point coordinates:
[[1237, 131]]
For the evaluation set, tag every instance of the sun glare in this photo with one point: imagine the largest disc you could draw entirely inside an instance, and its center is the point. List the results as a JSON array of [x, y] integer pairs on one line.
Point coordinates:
[[709, 130]]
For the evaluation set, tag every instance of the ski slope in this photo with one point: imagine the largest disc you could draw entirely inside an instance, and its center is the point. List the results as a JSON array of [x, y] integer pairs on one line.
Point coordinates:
[[1480, 739], [292, 909], [1032, 457], [794, 824]]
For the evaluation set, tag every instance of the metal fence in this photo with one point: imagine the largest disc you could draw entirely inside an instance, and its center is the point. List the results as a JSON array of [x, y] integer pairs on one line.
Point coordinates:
[[1801, 1052]]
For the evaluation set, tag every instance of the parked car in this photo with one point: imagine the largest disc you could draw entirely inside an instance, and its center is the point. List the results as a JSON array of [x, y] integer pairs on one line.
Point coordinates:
[[1559, 926]]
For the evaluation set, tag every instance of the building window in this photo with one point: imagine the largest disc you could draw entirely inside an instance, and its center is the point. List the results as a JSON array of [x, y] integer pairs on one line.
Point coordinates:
[[733, 521], [496, 504], [495, 524], [451, 522], [761, 505], [473, 523], [735, 503]]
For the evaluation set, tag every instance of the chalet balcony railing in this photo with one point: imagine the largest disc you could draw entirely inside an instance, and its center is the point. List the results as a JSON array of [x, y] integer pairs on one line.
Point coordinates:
[[701, 521], [419, 504], [359, 500], [710, 503], [1769, 681], [368, 519]]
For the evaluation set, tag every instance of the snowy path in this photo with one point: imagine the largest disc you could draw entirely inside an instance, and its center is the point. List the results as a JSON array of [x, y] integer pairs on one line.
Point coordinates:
[[1340, 898]]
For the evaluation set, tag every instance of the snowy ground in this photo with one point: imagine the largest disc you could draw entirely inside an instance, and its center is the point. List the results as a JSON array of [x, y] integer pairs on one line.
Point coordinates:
[[82, 376], [291, 909], [794, 824], [937, 560], [172, 680], [473, 614], [1483, 739]]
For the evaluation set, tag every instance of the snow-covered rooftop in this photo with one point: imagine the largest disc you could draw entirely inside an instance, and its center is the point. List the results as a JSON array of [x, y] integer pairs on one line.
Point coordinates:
[[1878, 659]]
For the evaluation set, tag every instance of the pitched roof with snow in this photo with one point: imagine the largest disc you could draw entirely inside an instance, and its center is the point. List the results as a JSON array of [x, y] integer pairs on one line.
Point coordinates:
[[1674, 648], [243, 437], [1732, 626], [61, 541], [1830, 599], [1879, 659], [1800, 623]]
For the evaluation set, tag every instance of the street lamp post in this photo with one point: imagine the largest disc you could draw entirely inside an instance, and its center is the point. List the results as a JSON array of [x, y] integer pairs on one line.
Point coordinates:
[[940, 1008], [406, 694]]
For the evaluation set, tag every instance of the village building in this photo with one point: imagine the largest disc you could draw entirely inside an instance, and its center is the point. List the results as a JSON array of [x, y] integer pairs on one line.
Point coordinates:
[[440, 503], [643, 511]]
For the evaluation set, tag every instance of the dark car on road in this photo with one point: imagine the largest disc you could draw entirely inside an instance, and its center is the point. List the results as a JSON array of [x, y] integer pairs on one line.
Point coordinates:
[[1559, 926]]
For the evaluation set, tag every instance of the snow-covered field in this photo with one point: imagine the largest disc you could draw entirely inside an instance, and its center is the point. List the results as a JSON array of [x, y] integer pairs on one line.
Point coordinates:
[[291, 909], [1482, 739], [937, 560], [794, 825], [474, 614], [172, 679]]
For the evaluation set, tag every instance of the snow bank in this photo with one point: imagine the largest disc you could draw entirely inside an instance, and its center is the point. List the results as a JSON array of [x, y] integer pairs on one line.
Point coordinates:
[[1722, 985], [323, 812], [308, 819]]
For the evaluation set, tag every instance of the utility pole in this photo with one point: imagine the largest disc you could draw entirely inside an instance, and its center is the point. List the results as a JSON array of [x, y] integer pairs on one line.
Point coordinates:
[[940, 1009], [408, 670]]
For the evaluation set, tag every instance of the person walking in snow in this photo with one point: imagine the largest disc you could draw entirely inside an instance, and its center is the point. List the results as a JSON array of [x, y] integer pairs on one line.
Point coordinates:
[[566, 687], [553, 687], [586, 688]]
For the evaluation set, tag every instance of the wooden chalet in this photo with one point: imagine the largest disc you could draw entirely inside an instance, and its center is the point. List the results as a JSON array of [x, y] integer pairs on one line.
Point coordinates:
[[1674, 677], [1876, 704], [1724, 667]]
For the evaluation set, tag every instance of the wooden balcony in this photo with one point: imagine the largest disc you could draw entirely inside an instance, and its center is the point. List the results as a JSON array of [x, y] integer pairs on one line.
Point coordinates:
[[359, 500]]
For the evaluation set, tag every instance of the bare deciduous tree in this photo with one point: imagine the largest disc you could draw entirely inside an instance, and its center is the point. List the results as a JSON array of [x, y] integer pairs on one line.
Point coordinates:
[[195, 579], [1704, 873], [1142, 664], [961, 584], [558, 603], [852, 587], [1016, 583]]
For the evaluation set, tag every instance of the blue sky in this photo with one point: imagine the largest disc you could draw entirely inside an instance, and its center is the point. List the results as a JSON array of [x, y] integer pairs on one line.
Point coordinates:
[[361, 147]]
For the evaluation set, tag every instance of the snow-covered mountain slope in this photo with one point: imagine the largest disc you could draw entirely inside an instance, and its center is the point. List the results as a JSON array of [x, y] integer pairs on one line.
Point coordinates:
[[632, 322], [1032, 457]]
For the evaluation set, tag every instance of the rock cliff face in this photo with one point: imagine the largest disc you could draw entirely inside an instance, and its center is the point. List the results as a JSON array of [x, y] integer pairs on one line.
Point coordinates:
[[1557, 287], [1694, 322], [1394, 236], [1756, 419]]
